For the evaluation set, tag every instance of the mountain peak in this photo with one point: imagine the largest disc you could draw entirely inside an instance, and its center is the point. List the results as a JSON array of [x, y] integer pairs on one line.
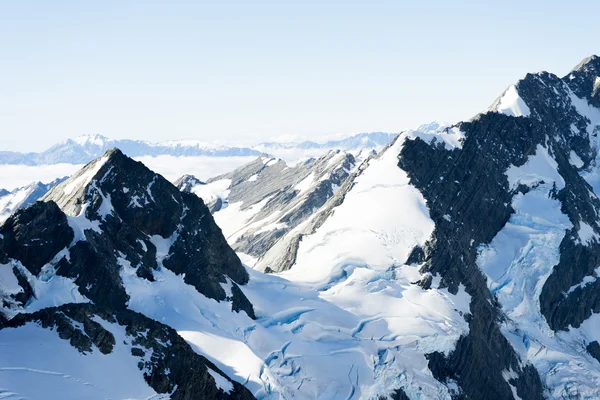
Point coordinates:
[[592, 61], [584, 80], [115, 195], [95, 139], [187, 181], [433, 127]]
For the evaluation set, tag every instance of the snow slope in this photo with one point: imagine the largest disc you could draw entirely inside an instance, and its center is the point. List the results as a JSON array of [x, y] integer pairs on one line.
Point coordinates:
[[347, 321], [510, 103], [57, 370]]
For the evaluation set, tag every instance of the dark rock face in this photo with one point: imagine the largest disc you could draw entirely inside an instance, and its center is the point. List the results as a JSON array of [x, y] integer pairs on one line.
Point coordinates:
[[131, 205], [34, 235], [398, 394], [239, 302], [582, 80], [27, 290], [594, 349], [173, 368], [62, 318], [101, 283], [469, 200], [478, 206]]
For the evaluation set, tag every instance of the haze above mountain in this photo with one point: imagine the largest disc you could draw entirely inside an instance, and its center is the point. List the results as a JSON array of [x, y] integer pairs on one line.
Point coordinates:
[[85, 148]]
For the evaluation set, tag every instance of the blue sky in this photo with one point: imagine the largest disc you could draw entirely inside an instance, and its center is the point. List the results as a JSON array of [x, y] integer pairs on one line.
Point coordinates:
[[245, 71]]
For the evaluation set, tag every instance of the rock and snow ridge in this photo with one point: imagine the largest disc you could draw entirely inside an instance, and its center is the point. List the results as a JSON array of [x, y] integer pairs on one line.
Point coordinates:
[[523, 210], [262, 201], [68, 263]]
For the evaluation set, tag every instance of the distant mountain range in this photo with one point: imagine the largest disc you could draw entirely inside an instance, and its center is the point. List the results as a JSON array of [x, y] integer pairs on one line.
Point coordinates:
[[23, 197], [85, 148], [361, 140]]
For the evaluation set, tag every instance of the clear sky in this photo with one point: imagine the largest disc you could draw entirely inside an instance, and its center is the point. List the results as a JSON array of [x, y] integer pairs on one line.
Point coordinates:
[[245, 71]]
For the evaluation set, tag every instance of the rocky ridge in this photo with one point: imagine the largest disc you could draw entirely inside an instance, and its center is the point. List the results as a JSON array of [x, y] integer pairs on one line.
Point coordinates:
[[268, 199], [112, 216]]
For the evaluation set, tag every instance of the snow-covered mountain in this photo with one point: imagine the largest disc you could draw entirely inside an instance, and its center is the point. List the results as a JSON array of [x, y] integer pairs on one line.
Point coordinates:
[[84, 149], [504, 207], [458, 262], [22, 197], [257, 204], [293, 151], [75, 266], [358, 141]]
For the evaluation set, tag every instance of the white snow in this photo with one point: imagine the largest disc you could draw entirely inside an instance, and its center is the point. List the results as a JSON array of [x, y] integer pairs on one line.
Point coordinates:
[[163, 245], [80, 224], [585, 109], [9, 286], [106, 208], [272, 227], [221, 382], [213, 190], [10, 202], [52, 290], [539, 167], [234, 221], [93, 139], [575, 160], [592, 175], [305, 184], [587, 234], [382, 218], [171, 167], [253, 178], [8, 280], [586, 281], [83, 178], [451, 137], [512, 104], [36, 364], [517, 263]]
